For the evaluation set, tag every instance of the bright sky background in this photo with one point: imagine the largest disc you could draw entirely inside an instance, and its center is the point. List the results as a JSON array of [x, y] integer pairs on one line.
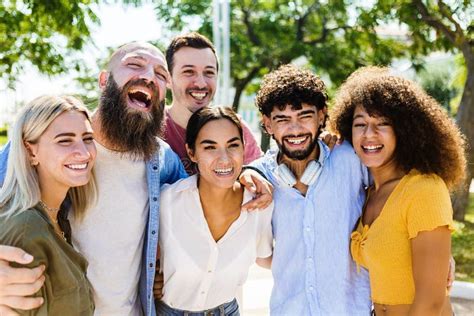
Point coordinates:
[[119, 24]]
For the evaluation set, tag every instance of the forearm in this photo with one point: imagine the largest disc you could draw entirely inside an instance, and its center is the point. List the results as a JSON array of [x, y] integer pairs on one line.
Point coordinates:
[[265, 262]]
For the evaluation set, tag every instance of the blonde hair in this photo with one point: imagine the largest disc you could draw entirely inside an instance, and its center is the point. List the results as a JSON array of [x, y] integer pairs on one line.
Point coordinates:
[[20, 190]]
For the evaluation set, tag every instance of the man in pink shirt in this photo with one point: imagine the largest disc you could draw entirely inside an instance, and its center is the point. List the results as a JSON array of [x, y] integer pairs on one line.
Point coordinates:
[[193, 66]]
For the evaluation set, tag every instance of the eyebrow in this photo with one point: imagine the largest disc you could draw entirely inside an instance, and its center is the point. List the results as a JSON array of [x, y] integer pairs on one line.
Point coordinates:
[[71, 134], [208, 141], [192, 66], [357, 116], [306, 112]]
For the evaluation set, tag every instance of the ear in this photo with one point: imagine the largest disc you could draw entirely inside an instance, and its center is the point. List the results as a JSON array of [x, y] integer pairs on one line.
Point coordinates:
[[103, 77], [322, 115], [32, 150], [190, 153], [267, 123]]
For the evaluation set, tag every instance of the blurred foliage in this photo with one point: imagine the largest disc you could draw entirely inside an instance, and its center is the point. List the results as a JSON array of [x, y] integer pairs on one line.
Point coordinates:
[[463, 245], [266, 34], [42, 33]]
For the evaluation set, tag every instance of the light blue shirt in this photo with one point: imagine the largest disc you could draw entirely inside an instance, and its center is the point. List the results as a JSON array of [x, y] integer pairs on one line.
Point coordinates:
[[312, 268], [163, 167]]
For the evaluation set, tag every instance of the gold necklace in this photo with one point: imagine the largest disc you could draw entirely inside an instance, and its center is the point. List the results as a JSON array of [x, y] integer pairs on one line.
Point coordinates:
[[50, 210], [54, 218]]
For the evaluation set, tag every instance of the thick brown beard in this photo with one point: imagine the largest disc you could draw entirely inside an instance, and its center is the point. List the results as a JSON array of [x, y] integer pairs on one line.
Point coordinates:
[[130, 131]]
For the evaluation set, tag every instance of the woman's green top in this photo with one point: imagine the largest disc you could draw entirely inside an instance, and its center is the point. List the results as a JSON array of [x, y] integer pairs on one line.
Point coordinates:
[[66, 290]]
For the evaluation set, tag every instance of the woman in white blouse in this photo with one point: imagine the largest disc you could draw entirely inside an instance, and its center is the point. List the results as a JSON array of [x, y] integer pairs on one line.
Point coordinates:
[[207, 242]]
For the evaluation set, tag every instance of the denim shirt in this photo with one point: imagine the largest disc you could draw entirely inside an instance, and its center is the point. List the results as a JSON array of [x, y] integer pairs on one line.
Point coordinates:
[[312, 268], [164, 167]]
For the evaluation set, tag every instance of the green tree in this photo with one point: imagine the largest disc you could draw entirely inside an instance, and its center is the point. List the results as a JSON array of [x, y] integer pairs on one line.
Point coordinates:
[[266, 34], [42, 33], [441, 25]]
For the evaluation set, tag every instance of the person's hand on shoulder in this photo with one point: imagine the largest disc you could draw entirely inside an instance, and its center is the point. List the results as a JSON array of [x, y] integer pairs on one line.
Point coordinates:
[[257, 184]]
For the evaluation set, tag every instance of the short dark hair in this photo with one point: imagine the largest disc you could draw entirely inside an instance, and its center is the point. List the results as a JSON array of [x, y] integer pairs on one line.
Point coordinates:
[[290, 85], [193, 40], [206, 114], [427, 139]]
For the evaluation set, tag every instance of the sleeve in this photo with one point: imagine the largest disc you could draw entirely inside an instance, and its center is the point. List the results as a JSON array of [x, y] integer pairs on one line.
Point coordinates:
[[4, 162], [252, 149], [429, 206], [172, 169], [265, 242]]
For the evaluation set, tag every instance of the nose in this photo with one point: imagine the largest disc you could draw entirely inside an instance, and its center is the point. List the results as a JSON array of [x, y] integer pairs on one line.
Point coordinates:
[[81, 151], [370, 130], [200, 81], [224, 155], [149, 74]]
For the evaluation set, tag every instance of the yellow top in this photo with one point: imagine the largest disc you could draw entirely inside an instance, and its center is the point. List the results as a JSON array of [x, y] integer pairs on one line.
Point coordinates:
[[418, 203]]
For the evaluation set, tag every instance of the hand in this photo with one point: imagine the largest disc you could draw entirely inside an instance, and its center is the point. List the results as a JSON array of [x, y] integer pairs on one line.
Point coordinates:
[[451, 273], [329, 139], [258, 185], [17, 283], [158, 286]]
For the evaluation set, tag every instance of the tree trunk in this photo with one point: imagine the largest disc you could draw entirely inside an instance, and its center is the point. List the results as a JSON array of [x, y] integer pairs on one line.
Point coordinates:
[[465, 120], [240, 85]]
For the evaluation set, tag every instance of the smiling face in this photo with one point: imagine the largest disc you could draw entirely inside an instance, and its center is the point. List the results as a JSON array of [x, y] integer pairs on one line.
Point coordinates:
[[218, 153], [373, 138], [65, 153], [193, 77], [295, 131], [140, 71]]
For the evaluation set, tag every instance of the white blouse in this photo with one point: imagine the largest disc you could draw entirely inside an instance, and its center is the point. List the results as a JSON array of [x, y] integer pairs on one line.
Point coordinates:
[[200, 273]]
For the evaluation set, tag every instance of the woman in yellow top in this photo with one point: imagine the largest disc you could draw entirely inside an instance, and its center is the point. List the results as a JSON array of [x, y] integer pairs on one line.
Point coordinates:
[[51, 156], [415, 154]]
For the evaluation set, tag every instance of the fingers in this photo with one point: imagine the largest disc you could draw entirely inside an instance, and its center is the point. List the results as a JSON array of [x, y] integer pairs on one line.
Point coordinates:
[[9, 275], [247, 181], [18, 302], [22, 289], [451, 272], [263, 197], [5, 311], [13, 254], [158, 286]]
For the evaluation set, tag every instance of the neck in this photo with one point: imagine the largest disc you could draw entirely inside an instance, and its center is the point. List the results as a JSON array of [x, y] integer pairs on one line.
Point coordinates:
[[180, 114], [99, 137], [212, 195], [298, 166], [385, 174]]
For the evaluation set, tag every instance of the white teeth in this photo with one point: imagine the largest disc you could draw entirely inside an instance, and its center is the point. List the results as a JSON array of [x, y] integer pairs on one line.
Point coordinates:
[[77, 166], [145, 92], [296, 141], [198, 95], [223, 171], [372, 147]]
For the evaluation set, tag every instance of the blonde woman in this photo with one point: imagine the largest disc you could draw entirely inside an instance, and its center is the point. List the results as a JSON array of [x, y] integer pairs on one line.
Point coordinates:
[[51, 157]]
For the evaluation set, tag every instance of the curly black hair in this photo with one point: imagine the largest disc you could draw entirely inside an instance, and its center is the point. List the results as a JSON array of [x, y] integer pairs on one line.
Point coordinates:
[[289, 85], [427, 138]]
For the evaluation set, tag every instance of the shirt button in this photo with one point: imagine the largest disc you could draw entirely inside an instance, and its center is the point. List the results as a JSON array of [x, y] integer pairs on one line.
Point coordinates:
[[155, 167], [311, 288], [209, 271], [155, 199], [151, 264], [153, 232], [202, 293], [308, 229]]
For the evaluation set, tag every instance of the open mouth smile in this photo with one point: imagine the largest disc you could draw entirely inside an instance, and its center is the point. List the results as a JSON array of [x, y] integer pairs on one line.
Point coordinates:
[[224, 171], [372, 148], [140, 98], [198, 95], [82, 166], [295, 141]]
